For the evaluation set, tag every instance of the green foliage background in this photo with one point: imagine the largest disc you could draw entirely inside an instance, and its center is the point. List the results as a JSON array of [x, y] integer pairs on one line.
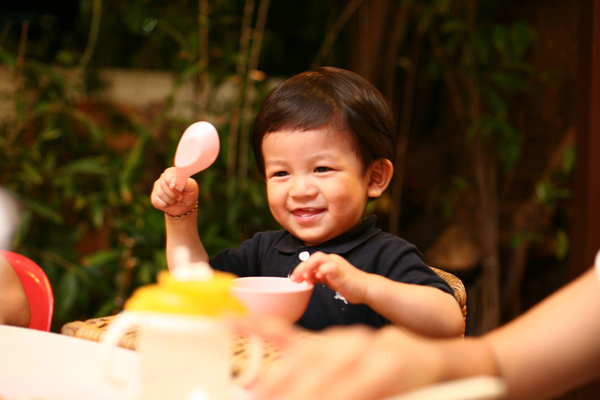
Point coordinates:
[[83, 167]]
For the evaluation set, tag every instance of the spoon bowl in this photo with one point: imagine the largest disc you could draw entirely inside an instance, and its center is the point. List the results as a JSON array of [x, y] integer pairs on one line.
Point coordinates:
[[197, 150]]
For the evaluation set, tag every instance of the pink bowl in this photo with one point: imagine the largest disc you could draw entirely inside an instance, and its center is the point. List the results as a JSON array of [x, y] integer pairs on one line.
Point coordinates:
[[273, 296]]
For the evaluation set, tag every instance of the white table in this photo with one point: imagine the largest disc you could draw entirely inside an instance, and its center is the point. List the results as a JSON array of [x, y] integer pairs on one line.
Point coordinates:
[[36, 365], [42, 365]]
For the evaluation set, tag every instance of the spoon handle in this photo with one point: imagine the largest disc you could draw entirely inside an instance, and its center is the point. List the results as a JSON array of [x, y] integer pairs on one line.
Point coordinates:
[[180, 179]]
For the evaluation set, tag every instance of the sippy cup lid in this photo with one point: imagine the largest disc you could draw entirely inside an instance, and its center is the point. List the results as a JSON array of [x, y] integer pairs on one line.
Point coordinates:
[[208, 297]]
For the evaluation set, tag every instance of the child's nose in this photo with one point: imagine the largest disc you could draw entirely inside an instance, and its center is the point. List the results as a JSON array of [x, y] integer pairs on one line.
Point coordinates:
[[302, 187]]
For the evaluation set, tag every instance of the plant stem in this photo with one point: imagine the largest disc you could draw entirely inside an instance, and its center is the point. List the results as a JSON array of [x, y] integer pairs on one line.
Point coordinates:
[[333, 33], [93, 36], [403, 133], [241, 71], [261, 20], [203, 79]]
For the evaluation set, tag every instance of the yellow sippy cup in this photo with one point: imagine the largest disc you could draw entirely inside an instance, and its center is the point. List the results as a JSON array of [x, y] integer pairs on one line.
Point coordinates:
[[184, 339]]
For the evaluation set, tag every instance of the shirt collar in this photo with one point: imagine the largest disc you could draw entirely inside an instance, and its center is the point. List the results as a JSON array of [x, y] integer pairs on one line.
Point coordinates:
[[339, 245]]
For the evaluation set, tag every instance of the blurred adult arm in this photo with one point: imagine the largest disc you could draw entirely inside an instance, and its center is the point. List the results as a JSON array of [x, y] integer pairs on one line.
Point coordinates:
[[555, 346]]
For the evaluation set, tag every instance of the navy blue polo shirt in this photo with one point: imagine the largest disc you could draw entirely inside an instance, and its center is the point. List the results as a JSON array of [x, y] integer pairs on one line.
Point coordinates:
[[277, 253]]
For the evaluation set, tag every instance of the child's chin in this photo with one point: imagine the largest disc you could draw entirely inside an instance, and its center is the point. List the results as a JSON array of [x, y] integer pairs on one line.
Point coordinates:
[[311, 240]]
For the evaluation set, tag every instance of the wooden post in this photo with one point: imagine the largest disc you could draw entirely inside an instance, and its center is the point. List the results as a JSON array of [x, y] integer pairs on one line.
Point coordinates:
[[586, 229]]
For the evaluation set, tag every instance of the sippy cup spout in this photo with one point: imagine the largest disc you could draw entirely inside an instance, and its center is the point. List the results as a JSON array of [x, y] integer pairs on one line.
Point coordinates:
[[185, 270]]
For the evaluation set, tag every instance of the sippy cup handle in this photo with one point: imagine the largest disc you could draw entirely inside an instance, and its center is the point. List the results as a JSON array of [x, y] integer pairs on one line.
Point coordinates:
[[118, 327], [195, 331]]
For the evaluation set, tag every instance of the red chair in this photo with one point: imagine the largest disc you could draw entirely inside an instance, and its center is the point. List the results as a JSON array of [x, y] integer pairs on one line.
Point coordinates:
[[37, 288]]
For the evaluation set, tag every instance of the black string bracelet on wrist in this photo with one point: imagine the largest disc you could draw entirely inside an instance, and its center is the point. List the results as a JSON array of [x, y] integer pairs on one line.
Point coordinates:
[[185, 214]]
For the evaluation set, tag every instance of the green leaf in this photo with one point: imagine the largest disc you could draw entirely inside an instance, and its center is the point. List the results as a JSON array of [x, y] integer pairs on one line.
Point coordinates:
[[50, 134], [520, 238], [30, 173], [522, 36], [90, 165], [49, 163], [107, 308], [568, 159], [8, 58], [509, 155], [44, 210], [101, 258], [562, 244], [500, 38], [67, 292], [97, 213]]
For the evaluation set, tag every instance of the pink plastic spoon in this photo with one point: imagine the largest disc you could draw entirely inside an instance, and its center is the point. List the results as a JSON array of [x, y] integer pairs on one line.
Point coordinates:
[[197, 150]]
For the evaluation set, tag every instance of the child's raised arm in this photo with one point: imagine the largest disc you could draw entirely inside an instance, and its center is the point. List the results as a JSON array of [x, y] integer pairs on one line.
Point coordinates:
[[181, 216]]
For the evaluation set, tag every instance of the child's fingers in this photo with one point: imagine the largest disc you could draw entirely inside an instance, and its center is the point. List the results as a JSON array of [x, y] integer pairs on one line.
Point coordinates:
[[190, 190], [171, 181], [306, 272], [167, 183], [315, 269], [164, 195]]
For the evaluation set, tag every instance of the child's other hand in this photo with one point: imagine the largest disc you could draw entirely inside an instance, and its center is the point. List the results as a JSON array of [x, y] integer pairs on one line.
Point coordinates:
[[337, 273], [166, 198]]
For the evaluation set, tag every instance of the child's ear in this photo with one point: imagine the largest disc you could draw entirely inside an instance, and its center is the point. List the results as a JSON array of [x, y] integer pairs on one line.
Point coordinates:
[[380, 175]]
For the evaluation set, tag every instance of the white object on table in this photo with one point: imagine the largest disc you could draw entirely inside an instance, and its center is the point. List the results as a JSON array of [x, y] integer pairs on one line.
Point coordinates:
[[49, 366], [182, 357], [474, 388], [43, 365]]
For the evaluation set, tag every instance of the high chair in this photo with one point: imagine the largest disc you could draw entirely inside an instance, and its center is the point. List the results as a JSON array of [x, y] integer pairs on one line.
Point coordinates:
[[37, 288], [458, 287]]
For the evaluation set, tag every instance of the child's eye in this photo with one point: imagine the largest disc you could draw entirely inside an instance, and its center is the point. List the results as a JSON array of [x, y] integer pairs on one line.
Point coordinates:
[[280, 173], [322, 169]]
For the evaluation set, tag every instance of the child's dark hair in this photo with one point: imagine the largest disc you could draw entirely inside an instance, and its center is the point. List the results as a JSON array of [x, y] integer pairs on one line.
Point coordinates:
[[329, 96]]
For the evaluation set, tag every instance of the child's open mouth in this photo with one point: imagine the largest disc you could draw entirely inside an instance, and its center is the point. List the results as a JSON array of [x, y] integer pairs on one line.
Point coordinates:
[[307, 214]]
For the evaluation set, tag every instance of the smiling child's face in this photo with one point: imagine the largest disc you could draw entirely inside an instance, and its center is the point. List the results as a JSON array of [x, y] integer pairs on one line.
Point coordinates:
[[317, 186]]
